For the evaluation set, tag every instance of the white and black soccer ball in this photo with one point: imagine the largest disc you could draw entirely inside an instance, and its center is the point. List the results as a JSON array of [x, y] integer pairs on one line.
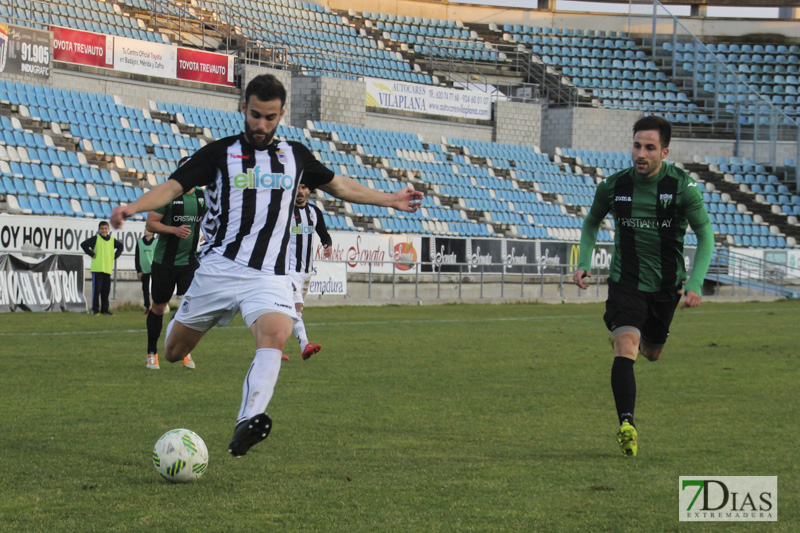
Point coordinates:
[[180, 456]]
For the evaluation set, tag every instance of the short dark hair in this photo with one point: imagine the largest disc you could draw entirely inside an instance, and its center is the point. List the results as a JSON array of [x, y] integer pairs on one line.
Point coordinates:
[[654, 122], [102, 223], [266, 87]]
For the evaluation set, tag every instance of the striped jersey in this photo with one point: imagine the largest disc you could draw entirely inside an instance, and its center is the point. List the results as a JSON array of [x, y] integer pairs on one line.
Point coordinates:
[[650, 220], [188, 210], [250, 196], [306, 221]]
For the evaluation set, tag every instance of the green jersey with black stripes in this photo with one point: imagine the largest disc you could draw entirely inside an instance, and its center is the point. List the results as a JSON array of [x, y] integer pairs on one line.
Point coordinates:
[[188, 209], [650, 220]]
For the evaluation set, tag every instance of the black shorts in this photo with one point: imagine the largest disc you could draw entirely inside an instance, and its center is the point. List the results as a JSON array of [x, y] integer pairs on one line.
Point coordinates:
[[165, 280], [649, 312]]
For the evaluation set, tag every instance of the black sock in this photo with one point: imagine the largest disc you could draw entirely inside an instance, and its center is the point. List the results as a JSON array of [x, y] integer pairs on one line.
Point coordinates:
[[154, 324], [623, 384]]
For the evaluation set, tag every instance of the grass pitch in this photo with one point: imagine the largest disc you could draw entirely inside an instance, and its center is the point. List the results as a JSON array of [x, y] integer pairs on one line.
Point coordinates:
[[441, 418]]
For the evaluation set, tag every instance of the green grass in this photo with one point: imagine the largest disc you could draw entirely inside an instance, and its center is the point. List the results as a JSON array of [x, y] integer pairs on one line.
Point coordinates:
[[441, 418]]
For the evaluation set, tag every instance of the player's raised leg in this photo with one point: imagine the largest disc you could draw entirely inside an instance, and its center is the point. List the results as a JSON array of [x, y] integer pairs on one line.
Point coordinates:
[[270, 331]]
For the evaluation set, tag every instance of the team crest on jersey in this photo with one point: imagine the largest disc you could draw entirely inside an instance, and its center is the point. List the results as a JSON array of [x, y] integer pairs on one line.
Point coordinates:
[[282, 158], [665, 198]]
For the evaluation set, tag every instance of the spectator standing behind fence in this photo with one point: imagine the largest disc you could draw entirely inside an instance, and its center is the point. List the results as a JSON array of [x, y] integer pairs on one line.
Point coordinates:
[[104, 250], [652, 203], [307, 219], [145, 247]]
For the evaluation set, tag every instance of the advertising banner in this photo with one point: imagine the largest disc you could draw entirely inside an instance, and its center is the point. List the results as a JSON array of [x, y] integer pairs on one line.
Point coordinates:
[[428, 99], [145, 57], [360, 250], [519, 255], [485, 255], [82, 47], [24, 51], [59, 235], [53, 284], [206, 67], [601, 258], [329, 278], [445, 254]]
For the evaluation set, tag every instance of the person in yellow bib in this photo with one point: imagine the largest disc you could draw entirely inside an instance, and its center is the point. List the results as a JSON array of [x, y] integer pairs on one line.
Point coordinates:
[[104, 250]]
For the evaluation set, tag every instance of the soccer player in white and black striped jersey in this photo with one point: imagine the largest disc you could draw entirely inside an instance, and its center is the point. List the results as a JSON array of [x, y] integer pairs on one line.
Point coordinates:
[[251, 182], [307, 219]]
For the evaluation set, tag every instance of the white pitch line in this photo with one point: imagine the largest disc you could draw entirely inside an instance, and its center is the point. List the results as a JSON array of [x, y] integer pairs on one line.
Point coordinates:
[[381, 322]]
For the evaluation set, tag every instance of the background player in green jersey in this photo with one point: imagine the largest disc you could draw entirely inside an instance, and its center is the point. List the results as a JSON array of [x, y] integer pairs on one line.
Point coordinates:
[[652, 203], [174, 261], [143, 259]]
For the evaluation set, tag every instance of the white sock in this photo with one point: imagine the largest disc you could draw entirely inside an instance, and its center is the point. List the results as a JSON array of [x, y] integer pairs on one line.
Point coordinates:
[[300, 331], [260, 383]]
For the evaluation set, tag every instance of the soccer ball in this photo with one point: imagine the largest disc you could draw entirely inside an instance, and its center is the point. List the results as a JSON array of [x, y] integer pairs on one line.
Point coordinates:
[[180, 456]]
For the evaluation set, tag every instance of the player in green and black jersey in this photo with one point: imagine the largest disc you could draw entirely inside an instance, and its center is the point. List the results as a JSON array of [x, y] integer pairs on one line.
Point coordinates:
[[174, 261], [652, 204]]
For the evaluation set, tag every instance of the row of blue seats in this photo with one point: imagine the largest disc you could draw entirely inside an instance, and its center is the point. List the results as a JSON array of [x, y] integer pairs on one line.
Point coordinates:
[[734, 48], [741, 229], [742, 68], [42, 205], [423, 30], [403, 225], [69, 190], [78, 173], [408, 19], [773, 241], [545, 30]]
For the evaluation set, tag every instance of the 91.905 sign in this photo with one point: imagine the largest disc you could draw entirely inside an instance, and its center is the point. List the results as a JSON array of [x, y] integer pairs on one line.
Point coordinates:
[[25, 51]]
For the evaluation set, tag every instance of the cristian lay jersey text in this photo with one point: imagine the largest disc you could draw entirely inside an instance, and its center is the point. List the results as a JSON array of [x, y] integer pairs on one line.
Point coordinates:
[[650, 221], [250, 197]]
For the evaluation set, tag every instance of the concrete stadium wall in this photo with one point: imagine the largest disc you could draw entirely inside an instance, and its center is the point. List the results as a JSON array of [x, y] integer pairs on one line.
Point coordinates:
[[685, 149], [517, 123], [431, 131], [137, 94], [327, 99], [587, 128]]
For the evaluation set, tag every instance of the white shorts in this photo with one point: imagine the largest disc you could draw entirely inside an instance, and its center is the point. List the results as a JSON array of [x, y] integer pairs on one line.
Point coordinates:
[[221, 288], [300, 284]]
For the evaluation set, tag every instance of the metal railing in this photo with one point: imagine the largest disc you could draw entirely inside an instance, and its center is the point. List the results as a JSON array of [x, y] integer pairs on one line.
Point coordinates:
[[732, 275]]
